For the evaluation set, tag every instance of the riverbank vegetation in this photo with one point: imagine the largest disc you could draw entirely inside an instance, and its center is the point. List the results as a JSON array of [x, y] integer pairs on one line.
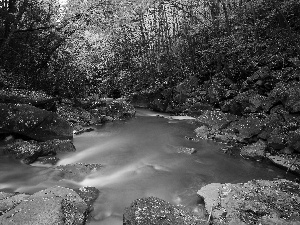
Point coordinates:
[[143, 46]]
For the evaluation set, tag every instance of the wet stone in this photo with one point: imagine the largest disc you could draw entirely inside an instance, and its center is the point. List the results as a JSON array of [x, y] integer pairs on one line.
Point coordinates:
[[254, 202], [78, 171], [156, 211]]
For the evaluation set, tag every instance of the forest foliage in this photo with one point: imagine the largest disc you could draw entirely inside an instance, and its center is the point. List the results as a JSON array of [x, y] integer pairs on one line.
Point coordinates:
[[84, 47]]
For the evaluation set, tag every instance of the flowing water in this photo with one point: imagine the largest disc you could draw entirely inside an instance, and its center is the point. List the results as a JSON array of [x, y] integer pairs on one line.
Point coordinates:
[[140, 159]]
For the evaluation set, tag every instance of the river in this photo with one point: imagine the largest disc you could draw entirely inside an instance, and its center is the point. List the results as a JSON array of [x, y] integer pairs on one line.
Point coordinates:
[[140, 159]]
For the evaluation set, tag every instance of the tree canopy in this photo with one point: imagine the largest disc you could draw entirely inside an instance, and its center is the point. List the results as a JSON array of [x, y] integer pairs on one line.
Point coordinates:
[[79, 47]]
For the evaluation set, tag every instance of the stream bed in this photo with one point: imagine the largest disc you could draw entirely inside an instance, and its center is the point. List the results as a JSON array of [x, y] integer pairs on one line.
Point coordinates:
[[141, 157]]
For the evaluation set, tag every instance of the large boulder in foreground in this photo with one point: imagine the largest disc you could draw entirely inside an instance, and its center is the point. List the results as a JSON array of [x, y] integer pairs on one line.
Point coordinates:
[[52, 206], [255, 202], [34, 123], [156, 211]]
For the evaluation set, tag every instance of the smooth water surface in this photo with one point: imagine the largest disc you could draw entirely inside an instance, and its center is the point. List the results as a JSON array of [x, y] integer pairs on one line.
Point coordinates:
[[140, 159]]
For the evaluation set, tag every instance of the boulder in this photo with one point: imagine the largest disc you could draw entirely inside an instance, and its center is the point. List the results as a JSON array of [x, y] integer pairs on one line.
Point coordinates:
[[156, 211], [247, 102], [186, 150], [276, 140], [247, 127], [30, 151], [88, 194], [263, 80], [216, 120], [202, 132], [255, 151], [289, 162], [44, 160], [52, 206], [34, 123], [274, 121], [77, 171], [226, 137], [254, 202], [288, 95]]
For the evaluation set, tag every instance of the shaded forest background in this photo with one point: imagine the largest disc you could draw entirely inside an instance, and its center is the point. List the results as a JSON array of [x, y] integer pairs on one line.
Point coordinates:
[[80, 48]]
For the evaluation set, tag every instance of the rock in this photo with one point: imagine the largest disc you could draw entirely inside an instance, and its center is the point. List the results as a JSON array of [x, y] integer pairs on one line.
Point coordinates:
[[192, 139], [273, 124], [88, 194], [4, 195], [77, 171], [55, 146], [255, 202], [232, 149], [83, 130], [295, 62], [202, 132], [52, 160], [289, 162], [287, 150], [247, 127], [186, 150], [226, 137], [276, 140], [10, 200], [262, 74], [156, 211], [216, 119], [247, 102], [34, 123], [288, 95], [52, 206], [262, 81], [29, 151], [108, 119], [254, 151], [94, 113], [26, 151]]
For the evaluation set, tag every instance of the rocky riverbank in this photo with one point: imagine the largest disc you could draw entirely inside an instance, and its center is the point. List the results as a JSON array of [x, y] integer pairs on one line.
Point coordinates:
[[255, 202], [257, 118], [34, 128]]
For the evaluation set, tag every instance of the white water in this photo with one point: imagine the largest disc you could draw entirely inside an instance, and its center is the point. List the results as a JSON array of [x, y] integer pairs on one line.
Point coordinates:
[[140, 159]]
